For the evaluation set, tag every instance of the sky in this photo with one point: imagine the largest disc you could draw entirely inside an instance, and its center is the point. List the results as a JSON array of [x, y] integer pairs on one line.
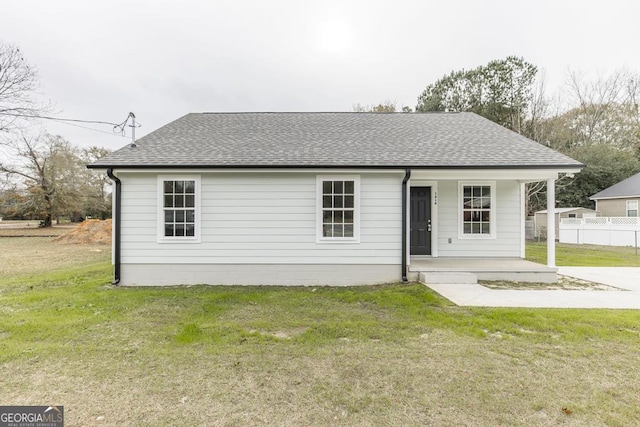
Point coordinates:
[[100, 60]]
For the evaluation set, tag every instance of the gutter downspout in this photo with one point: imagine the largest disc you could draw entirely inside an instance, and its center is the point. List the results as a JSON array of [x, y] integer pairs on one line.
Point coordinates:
[[116, 225], [407, 175]]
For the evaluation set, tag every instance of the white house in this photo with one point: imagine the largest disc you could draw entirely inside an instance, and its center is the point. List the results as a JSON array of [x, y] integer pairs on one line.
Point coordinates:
[[320, 198]]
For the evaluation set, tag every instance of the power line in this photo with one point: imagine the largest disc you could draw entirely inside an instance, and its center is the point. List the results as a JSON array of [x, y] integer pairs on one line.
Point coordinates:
[[60, 119], [133, 125], [95, 130], [117, 127]]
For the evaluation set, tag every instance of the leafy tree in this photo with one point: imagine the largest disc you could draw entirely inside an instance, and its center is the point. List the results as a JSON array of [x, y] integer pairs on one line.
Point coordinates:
[[97, 200], [606, 166], [50, 180], [503, 91], [11, 200], [500, 91], [50, 170], [599, 123]]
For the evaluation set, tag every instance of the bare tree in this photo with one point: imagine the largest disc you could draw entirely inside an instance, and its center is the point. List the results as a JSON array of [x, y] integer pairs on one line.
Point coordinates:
[[599, 125], [383, 107], [606, 110], [18, 82]]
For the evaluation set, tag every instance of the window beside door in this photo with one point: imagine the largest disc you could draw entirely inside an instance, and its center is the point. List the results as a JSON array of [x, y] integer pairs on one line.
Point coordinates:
[[477, 210]]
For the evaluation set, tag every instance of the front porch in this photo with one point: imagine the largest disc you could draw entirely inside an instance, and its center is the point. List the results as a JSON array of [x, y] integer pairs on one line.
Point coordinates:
[[460, 270]]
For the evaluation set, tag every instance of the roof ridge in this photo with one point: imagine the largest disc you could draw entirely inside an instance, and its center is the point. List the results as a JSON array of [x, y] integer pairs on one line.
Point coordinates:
[[329, 112]]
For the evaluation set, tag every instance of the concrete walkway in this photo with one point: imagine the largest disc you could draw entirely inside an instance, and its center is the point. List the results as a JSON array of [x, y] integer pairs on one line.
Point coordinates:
[[627, 279]]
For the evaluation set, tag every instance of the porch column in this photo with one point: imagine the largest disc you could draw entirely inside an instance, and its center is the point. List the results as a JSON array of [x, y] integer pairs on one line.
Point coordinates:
[[551, 222]]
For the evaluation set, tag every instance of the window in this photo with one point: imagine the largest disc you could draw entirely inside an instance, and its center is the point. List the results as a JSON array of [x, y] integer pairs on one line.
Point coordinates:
[[571, 215], [179, 213], [632, 208], [477, 201], [338, 203]]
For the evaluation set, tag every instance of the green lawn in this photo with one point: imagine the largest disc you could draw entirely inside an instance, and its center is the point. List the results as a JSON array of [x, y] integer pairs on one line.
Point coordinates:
[[585, 255], [385, 355]]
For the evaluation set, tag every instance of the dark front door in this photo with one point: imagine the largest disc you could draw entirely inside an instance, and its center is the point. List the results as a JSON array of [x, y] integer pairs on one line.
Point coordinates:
[[420, 220]]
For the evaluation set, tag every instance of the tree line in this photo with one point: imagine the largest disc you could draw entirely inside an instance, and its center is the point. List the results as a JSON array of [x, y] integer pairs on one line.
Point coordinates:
[[42, 176], [595, 121]]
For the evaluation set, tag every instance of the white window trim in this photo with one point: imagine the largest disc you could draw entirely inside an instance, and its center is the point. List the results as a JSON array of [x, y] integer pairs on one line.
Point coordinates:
[[160, 207], [492, 215], [629, 208], [356, 211]]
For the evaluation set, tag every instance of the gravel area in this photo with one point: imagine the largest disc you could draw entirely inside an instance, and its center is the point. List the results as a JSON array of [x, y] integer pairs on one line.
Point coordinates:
[[565, 283]]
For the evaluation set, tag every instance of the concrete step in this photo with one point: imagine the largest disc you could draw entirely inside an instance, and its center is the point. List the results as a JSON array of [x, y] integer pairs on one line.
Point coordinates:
[[447, 277]]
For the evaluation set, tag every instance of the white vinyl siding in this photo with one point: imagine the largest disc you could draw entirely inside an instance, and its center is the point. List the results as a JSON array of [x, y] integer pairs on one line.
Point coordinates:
[[262, 218], [506, 220]]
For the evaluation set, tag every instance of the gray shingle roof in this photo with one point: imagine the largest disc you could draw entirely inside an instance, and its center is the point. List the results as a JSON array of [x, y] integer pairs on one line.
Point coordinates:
[[629, 187], [427, 140]]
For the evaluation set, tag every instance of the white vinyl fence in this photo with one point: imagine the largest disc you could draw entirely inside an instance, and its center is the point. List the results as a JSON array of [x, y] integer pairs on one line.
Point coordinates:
[[608, 231]]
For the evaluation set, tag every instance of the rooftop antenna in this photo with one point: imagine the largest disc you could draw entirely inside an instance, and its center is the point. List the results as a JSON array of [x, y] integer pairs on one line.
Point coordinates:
[[133, 130]]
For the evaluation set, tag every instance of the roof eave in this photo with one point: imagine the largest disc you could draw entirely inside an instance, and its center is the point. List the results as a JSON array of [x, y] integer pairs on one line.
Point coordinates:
[[630, 196], [565, 168]]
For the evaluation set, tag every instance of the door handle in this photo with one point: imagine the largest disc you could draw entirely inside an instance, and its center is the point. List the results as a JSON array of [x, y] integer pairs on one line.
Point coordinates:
[[429, 228]]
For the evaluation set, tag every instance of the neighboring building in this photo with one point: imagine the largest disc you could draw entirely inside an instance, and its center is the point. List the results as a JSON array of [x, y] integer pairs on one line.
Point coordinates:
[[621, 199], [320, 198], [541, 218]]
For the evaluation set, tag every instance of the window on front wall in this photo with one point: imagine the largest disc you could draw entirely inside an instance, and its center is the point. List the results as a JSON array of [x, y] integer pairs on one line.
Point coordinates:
[[632, 208], [477, 206], [338, 199], [179, 213]]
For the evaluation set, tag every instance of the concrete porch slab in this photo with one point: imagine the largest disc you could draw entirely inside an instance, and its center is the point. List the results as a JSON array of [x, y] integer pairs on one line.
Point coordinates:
[[479, 296], [512, 269], [627, 278], [628, 297]]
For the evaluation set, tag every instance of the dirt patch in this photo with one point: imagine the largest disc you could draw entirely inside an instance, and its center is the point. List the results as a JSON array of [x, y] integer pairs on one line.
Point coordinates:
[[89, 231], [31, 229], [564, 283], [281, 334]]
